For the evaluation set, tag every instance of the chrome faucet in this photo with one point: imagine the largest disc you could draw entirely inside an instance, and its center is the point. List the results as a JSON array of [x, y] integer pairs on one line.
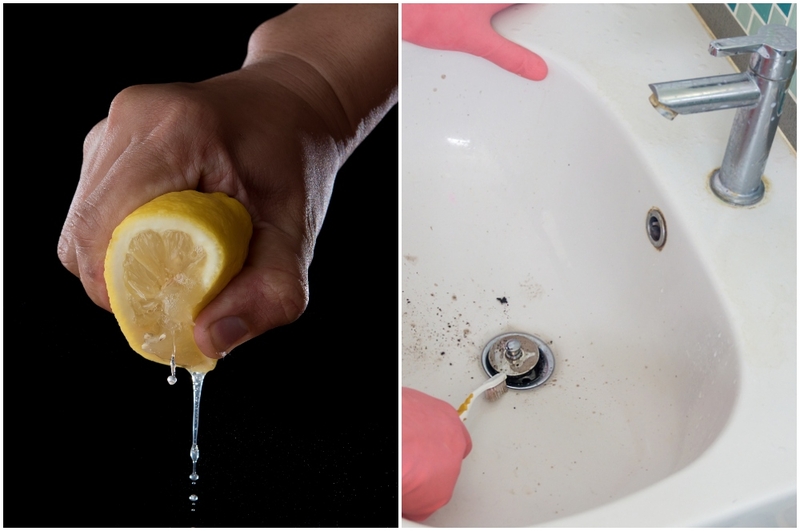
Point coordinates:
[[759, 95]]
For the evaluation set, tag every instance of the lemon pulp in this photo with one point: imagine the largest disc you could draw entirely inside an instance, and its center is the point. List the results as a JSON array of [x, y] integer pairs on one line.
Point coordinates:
[[161, 272]]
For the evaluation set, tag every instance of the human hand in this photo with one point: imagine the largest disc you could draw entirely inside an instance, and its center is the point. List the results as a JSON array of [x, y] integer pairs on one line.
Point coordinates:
[[435, 441], [468, 28], [272, 135]]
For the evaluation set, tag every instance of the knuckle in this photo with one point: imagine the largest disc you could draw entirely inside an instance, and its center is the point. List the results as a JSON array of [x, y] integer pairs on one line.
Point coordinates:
[[283, 298], [127, 98], [162, 103], [65, 254], [168, 121], [85, 228], [91, 271], [93, 138]]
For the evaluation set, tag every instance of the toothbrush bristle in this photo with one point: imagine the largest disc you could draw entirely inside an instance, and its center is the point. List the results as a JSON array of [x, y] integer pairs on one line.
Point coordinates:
[[494, 393]]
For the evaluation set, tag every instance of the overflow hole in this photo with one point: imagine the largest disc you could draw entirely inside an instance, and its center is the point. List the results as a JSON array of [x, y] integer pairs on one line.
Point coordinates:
[[656, 228]]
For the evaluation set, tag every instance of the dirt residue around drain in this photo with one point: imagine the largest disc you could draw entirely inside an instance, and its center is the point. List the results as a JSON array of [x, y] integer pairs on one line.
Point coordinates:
[[531, 288], [436, 322], [436, 330]]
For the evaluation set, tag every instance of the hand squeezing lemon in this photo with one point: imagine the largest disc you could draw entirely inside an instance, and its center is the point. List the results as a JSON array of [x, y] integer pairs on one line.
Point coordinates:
[[166, 261]]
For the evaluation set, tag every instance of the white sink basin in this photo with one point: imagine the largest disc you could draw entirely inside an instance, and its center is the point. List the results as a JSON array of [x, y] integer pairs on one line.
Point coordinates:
[[673, 401]]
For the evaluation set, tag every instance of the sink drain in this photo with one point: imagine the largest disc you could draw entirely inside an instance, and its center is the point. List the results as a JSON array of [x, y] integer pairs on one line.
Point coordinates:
[[526, 360], [656, 228]]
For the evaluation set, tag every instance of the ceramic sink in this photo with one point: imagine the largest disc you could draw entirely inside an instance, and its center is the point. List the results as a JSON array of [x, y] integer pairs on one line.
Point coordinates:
[[525, 209]]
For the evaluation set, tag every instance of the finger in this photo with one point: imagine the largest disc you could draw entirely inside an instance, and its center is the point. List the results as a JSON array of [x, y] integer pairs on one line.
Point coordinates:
[[89, 177], [510, 56], [446, 26], [165, 150], [102, 148], [141, 173], [270, 291]]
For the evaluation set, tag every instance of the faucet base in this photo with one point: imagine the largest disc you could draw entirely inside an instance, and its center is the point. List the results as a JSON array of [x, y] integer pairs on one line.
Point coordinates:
[[733, 198]]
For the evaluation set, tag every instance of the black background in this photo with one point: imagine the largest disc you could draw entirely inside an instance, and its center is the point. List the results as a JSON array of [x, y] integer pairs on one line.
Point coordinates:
[[297, 428]]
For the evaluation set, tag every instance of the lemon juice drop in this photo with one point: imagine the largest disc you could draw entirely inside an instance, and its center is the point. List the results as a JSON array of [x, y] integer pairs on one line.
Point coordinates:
[[194, 453], [171, 378]]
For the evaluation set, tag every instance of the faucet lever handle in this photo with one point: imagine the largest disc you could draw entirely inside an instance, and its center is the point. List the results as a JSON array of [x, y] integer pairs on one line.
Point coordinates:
[[774, 50]]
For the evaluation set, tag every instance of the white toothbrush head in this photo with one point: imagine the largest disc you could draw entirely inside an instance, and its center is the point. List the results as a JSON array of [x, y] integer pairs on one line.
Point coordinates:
[[493, 388]]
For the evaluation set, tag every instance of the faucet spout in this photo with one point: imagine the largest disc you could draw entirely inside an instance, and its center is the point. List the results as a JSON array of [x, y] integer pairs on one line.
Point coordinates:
[[758, 94], [704, 94]]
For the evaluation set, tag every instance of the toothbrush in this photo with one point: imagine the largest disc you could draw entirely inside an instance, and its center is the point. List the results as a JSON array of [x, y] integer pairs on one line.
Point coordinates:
[[494, 387]]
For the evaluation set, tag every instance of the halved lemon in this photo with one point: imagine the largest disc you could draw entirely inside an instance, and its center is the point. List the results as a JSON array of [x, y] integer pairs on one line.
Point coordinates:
[[166, 261]]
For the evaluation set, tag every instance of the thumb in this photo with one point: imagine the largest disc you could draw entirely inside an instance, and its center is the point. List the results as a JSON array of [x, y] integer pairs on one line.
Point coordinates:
[[271, 290], [511, 56]]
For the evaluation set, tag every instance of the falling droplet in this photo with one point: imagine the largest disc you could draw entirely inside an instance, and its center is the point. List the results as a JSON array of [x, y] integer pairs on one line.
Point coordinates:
[[194, 453], [193, 497], [171, 378]]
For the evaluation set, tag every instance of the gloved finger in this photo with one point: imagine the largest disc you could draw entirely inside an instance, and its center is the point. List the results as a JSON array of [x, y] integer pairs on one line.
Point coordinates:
[[446, 26], [510, 56], [467, 28], [271, 290]]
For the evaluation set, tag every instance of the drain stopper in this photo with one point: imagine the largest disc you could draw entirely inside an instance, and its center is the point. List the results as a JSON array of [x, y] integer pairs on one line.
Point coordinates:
[[514, 350], [514, 355], [526, 360]]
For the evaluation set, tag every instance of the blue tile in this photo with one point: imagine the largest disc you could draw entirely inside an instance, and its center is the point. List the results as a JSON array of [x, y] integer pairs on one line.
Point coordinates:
[[785, 8], [732, 7], [762, 10]]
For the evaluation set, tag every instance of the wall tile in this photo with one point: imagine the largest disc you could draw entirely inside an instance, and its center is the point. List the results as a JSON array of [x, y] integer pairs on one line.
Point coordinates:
[[776, 16], [763, 11], [743, 14], [755, 25]]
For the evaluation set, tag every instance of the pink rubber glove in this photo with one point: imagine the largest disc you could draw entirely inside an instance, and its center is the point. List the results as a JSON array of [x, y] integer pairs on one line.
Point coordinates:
[[435, 442], [468, 28]]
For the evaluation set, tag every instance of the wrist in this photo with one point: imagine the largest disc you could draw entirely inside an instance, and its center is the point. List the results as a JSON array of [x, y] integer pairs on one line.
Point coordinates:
[[277, 125], [346, 54], [302, 81]]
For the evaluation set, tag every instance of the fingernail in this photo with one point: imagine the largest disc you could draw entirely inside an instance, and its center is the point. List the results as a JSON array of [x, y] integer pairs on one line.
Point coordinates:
[[226, 332]]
